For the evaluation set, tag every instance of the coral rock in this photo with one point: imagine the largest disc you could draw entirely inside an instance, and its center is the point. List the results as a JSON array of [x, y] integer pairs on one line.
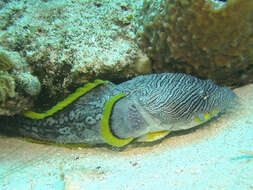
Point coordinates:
[[208, 38], [29, 83], [7, 86]]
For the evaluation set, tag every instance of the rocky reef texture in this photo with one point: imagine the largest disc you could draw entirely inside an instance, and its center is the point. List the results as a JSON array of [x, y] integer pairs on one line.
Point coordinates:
[[62, 44], [207, 38], [17, 84]]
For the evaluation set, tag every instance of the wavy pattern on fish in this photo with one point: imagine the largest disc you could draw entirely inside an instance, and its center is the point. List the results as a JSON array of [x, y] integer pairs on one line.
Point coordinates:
[[144, 109]]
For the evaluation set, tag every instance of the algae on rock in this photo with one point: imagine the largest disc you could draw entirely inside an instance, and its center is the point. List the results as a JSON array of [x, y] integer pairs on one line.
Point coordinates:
[[29, 83], [7, 82], [7, 86], [67, 43], [71, 42], [6, 63], [15, 83], [207, 38]]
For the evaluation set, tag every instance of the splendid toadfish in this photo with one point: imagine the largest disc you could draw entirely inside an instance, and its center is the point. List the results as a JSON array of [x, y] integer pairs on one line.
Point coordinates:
[[144, 109]]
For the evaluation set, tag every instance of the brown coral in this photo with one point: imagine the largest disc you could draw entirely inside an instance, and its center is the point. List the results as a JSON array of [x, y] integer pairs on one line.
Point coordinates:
[[7, 86], [208, 38], [6, 63]]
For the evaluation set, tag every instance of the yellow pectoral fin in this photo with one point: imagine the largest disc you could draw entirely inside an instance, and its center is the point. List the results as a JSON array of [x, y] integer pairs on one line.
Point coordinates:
[[79, 92], [106, 133], [149, 137], [215, 112], [201, 118], [207, 116], [198, 120]]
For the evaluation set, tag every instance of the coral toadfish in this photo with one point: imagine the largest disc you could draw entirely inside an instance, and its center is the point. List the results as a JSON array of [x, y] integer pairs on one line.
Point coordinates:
[[143, 109]]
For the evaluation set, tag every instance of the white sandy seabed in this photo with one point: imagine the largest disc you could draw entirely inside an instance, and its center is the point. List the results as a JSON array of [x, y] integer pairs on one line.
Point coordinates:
[[218, 155]]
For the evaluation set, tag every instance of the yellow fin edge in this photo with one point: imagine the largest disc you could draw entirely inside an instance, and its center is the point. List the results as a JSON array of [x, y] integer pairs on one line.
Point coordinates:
[[72, 146], [150, 137], [215, 112], [207, 116], [106, 133], [197, 120], [72, 97]]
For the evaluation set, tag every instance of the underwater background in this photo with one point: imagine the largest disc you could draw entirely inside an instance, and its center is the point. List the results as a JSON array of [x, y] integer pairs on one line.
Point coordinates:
[[49, 48]]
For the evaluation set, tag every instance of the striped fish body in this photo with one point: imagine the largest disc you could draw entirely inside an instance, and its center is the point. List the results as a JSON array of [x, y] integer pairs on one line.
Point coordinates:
[[151, 103], [169, 102]]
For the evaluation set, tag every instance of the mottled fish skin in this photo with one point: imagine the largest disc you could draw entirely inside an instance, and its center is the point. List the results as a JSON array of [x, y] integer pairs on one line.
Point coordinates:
[[152, 103], [77, 123]]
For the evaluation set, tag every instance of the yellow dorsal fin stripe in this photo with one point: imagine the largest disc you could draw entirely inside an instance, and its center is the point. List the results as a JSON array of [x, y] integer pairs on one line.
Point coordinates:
[[149, 137], [106, 133], [72, 97]]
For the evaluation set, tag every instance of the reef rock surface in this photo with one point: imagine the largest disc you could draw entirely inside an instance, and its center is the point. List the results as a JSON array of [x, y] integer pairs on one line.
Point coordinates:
[[206, 38], [62, 44]]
